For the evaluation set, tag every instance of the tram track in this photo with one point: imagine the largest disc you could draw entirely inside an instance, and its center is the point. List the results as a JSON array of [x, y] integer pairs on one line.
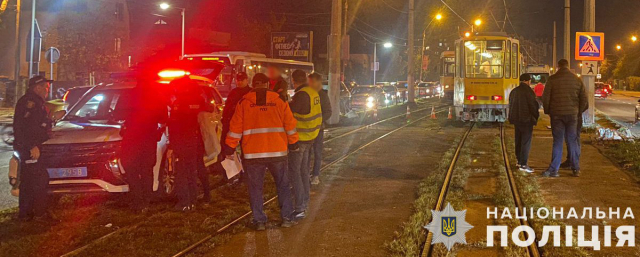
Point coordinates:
[[438, 109], [222, 229], [427, 248]]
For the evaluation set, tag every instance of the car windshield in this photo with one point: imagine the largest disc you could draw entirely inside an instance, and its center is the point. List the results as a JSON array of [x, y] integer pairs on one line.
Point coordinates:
[[389, 89], [102, 105], [364, 90]]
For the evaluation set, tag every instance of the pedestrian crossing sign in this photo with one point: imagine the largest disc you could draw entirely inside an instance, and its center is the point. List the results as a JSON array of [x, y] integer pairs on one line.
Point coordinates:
[[589, 46]]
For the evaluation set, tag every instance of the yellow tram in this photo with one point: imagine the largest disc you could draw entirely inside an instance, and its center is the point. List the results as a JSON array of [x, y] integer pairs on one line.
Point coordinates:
[[487, 69], [447, 72]]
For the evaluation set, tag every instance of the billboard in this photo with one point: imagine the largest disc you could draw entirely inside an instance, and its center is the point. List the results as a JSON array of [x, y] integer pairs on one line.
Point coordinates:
[[291, 45], [589, 46]]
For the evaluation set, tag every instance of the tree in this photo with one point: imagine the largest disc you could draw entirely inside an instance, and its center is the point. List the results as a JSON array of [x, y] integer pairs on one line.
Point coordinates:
[[255, 36]]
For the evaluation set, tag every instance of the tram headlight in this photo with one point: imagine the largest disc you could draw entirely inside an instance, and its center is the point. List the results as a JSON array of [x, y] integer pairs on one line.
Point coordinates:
[[370, 105], [370, 99]]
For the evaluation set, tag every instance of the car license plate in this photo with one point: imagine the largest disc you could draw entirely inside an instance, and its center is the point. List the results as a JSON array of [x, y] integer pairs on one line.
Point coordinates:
[[76, 172]]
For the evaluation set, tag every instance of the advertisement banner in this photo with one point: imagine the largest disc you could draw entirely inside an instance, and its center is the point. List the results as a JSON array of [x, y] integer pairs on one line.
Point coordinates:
[[291, 46]]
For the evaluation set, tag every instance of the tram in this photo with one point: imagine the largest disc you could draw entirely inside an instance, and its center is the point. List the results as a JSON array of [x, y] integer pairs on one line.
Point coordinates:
[[487, 69], [447, 72]]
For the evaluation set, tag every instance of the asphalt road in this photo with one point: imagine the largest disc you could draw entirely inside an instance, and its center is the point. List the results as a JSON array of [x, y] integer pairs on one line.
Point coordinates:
[[621, 109]]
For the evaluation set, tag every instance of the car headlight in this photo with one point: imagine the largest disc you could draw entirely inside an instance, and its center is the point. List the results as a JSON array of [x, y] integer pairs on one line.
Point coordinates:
[[370, 99], [447, 86], [370, 105], [428, 90], [398, 94]]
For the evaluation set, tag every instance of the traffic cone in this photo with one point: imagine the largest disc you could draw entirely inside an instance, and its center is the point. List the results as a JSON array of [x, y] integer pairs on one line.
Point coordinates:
[[450, 116], [408, 112], [433, 112]]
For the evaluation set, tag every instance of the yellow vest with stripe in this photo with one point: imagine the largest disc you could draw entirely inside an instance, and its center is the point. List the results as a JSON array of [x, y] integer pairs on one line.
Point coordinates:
[[309, 125]]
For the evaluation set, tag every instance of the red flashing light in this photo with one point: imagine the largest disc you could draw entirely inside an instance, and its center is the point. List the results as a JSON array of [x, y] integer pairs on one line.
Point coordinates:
[[64, 97], [171, 74], [497, 98], [472, 98]]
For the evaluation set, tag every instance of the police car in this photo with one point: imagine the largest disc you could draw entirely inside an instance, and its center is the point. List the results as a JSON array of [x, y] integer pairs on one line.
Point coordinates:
[[82, 155]]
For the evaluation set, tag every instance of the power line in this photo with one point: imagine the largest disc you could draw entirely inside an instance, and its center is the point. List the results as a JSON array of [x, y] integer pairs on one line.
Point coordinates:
[[390, 6], [374, 28], [465, 21]]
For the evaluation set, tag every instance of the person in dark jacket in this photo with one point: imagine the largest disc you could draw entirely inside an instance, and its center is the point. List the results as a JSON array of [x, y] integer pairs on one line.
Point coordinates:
[[564, 98], [236, 94], [315, 82], [277, 83], [523, 114], [141, 131], [184, 130], [32, 126]]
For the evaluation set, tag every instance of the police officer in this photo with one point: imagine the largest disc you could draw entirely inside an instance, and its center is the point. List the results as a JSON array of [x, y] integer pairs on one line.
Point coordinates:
[[31, 126], [142, 129], [184, 132]]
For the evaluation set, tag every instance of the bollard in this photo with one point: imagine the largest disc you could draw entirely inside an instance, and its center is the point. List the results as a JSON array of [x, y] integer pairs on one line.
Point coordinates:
[[450, 116], [433, 112]]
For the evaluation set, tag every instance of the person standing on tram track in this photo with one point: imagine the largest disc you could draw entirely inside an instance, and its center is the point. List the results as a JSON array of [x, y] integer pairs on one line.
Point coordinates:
[[523, 114], [306, 108], [265, 127], [141, 131], [315, 82], [277, 83]]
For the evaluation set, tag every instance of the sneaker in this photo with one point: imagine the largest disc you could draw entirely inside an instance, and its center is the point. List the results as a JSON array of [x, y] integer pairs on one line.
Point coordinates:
[[288, 223], [549, 173], [299, 215], [565, 165], [576, 173], [525, 168], [182, 208], [315, 180], [260, 226]]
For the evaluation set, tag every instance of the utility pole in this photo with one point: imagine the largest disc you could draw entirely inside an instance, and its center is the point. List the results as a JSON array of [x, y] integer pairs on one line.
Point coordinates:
[[334, 60], [589, 81], [555, 45], [33, 37], [411, 86], [344, 37], [17, 53], [567, 31]]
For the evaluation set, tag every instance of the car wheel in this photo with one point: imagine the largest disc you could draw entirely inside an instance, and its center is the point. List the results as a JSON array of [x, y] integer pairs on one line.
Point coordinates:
[[168, 174]]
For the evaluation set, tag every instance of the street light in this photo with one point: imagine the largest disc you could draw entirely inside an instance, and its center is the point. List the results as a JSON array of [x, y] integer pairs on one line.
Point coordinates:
[[438, 16], [478, 22], [618, 47], [634, 38], [165, 6], [375, 57], [467, 34]]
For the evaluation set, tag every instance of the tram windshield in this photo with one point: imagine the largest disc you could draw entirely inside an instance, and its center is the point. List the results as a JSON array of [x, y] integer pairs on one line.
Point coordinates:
[[484, 59]]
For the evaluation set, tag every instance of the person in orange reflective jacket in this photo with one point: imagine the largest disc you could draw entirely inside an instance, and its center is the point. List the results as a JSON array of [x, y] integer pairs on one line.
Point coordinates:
[[267, 128]]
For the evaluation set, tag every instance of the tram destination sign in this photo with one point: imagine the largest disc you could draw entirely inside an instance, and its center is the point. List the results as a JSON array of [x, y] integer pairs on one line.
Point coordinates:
[[291, 45]]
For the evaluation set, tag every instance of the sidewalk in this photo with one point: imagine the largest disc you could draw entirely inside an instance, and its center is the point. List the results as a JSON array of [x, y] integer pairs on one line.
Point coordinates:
[[602, 184]]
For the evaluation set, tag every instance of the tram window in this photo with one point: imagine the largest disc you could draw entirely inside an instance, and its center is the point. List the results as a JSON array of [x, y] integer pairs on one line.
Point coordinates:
[[482, 62], [507, 68], [514, 60]]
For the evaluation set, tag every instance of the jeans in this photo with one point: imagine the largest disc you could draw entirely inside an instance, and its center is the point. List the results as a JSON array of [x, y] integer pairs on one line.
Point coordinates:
[[579, 129], [299, 175], [524, 133], [318, 146], [187, 178], [255, 181], [564, 126], [34, 181]]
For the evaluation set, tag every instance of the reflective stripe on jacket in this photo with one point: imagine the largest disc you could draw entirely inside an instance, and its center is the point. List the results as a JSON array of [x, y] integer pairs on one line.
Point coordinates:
[[265, 124], [309, 125]]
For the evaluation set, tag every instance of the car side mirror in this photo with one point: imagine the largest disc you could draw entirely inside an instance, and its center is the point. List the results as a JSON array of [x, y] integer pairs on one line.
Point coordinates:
[[638, 101], [57, 115]]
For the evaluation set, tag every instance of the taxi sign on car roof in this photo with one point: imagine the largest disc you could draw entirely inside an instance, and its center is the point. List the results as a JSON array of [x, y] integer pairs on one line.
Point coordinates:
[[589, 46]]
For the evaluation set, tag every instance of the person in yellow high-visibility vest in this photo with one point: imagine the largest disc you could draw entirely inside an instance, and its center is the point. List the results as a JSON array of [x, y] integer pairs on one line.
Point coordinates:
[[306, 108]]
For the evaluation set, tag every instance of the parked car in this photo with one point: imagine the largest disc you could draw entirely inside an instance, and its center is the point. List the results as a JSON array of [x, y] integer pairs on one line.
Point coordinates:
[[82, 155], [403, 89], [428, 90], [345, 97], [607, 88], [365, 98], [601, 92], [391, 95]]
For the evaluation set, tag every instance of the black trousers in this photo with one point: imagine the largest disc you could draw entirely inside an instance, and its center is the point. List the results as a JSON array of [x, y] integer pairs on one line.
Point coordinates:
[[524, 134], [203, 175], [138, 166], [187, 177], [34, 181]]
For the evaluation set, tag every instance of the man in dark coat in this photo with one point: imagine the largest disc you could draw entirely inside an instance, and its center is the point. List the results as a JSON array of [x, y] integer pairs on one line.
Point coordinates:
[[31, 126], [564, 98], [277, 83], [523, 114]]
